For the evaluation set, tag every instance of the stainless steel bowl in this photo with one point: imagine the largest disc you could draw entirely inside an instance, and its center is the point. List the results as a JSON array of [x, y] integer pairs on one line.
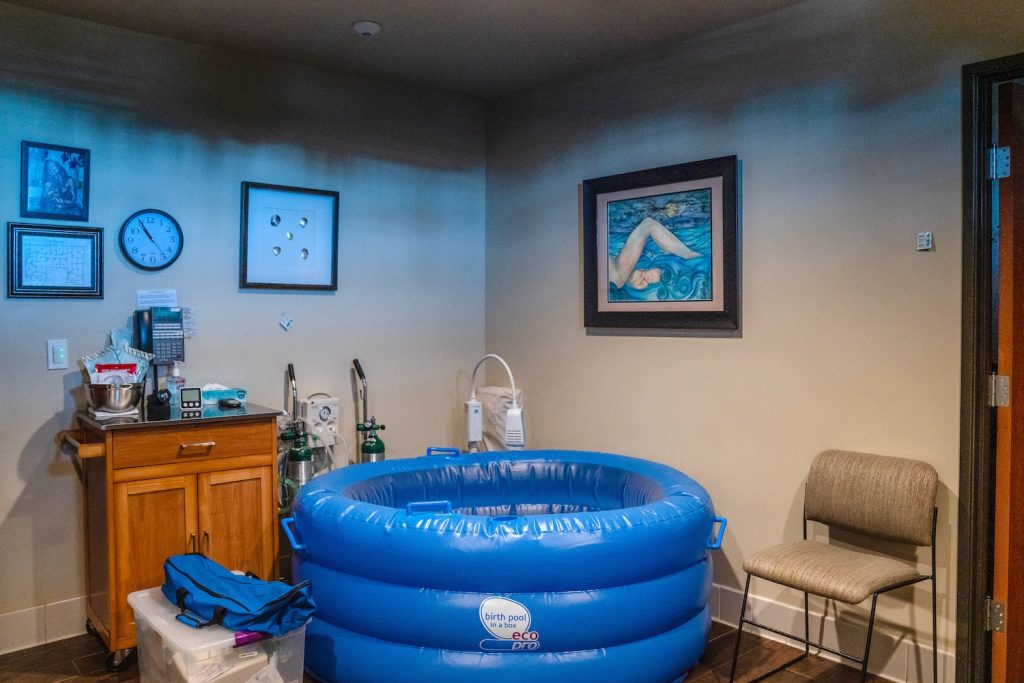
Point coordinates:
[[114, 398]]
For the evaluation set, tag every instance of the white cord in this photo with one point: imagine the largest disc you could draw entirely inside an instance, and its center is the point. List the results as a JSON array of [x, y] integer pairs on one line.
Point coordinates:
[[348, 452], [512, 381]]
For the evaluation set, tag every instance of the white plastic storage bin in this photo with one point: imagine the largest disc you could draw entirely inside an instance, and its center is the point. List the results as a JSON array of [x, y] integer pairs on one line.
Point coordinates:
[[171, 652]]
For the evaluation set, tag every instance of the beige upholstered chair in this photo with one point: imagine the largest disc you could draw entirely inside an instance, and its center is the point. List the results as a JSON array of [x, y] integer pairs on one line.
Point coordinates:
[[874, 495]]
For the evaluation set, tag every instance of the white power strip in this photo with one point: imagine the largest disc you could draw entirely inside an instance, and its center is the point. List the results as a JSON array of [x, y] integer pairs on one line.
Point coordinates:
[[474, 421], [321, 417], [515, 438]]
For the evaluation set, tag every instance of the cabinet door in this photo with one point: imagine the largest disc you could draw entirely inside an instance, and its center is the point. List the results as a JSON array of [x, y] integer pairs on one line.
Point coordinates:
[[153, 518], [236, 519]]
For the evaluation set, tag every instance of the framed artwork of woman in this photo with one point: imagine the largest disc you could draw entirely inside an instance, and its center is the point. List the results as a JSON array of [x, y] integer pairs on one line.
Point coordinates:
[[661, 248], [54, 181]]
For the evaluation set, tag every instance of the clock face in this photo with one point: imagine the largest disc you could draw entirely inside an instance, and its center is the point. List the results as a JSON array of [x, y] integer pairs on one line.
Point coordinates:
[[151, 239]]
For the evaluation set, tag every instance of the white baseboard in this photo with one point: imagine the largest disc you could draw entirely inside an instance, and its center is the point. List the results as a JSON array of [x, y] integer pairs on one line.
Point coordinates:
[[901, 660], [42, 624]]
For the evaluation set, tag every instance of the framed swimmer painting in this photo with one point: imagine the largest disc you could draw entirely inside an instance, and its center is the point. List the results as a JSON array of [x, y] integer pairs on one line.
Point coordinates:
[[661, 248], [54, 181]]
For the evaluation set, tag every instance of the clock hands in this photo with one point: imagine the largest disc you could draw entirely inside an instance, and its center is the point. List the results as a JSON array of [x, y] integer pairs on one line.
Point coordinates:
[[159, 251], [146, 231]]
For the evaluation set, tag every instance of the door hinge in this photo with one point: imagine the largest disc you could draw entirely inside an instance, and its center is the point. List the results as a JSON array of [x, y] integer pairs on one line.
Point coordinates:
[[998, 391], [995, 615], [998, 163]]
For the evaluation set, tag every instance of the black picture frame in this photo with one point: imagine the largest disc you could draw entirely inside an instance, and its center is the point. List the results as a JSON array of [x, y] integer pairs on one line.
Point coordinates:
[[54, 181], [54, 262], [289, 238], [672, 284]]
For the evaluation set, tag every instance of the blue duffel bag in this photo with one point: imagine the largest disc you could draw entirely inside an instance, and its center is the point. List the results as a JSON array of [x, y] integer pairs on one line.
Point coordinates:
[[207, 594]]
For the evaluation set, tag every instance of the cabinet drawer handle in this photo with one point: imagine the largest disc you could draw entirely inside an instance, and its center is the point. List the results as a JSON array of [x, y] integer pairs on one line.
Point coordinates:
[[190, 448], [206, 537], [192, 541]]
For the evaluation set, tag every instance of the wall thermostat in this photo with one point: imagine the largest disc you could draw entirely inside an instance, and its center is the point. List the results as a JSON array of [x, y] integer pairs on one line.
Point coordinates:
[[321, 417]]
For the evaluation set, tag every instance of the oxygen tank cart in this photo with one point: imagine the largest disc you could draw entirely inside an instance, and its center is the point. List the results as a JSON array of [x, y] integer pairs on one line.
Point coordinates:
[[372, 448]]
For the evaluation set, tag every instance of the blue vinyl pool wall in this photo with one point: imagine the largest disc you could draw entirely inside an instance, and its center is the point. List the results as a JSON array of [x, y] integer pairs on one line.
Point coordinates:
[[550, 566]]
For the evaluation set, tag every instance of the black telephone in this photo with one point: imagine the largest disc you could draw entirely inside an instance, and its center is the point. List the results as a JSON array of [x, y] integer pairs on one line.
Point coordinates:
[[160, 331]]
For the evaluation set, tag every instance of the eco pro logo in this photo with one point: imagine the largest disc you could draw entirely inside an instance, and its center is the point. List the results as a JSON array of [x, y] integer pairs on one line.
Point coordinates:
[[509, 622]]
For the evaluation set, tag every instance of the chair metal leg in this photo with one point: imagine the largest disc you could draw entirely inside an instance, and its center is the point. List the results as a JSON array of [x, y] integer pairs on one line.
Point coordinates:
[[935, 611], [935, 631], [739, 630], [867, 645], [807, 625]]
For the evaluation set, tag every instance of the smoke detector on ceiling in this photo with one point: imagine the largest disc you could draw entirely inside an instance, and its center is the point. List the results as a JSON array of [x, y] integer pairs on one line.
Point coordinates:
[[366, 29]]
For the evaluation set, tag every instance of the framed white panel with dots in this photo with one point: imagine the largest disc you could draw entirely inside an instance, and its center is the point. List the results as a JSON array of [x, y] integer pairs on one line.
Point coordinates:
[[289, 238]]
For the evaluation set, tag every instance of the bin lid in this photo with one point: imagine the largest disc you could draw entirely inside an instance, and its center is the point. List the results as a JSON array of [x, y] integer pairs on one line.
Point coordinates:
[[160, 614]]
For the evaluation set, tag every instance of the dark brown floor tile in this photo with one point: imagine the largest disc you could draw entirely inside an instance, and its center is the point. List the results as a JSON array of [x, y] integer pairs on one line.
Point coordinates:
[[762, 659], [718, 629], [88, 664], [77, 646], [819, 669], [697, 673], [43, 663], [129, 675], [721, 648]]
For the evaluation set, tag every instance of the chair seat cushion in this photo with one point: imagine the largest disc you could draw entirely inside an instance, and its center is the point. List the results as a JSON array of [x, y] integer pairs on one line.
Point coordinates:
[[827, 570]]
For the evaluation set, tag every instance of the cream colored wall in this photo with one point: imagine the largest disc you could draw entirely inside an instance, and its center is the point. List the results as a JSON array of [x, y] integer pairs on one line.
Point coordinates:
[[846, 121], [179, 127]]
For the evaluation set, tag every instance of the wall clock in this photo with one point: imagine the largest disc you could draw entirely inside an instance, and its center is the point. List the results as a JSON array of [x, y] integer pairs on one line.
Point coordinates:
[[151, 239]]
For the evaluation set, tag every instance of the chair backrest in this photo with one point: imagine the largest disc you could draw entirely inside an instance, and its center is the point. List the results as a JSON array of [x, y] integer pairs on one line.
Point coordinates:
[[877, 495]]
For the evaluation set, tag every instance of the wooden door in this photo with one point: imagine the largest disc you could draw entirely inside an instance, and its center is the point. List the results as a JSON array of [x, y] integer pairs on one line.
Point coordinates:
[[153, 519], [236, 519], [1008, 559]]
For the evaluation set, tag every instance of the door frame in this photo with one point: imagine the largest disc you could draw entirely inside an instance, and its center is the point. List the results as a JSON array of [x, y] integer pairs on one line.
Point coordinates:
[[977, 419]]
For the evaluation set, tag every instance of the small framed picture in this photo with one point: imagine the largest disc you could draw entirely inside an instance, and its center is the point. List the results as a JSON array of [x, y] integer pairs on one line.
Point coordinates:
[[54, 182], [54, 262], [661, 248], [289, 238]]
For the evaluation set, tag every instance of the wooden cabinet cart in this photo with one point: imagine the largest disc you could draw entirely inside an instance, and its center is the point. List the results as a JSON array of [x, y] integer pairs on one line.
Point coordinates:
[[158, 488]]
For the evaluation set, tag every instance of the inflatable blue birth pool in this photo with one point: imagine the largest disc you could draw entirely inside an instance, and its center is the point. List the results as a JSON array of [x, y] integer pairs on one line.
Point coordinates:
[[540, 566]]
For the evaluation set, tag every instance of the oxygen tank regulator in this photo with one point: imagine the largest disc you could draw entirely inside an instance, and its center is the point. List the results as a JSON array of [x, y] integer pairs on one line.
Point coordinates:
[[297, 453], [372, 448]]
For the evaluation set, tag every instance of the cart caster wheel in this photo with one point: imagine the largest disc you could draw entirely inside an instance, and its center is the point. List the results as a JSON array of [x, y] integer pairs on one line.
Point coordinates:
[[120, 660], [90, 629]]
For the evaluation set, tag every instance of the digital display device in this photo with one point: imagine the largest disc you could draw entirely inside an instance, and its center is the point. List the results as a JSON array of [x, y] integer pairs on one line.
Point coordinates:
[[191, 397]]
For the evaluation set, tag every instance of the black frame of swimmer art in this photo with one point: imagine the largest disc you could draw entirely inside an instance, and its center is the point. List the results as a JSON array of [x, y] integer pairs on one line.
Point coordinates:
[[661, 248]]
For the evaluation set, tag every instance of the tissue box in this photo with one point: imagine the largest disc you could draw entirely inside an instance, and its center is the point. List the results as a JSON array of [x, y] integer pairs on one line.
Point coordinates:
[[214, 395], [171, 652]]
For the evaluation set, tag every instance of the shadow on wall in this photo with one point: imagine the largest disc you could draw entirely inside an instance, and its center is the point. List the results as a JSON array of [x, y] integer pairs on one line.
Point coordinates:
[[218, 93], [862, 55], [38, 521]]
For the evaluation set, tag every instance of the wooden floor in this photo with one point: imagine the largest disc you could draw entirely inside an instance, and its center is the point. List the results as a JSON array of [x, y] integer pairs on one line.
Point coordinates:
[[81, 659]]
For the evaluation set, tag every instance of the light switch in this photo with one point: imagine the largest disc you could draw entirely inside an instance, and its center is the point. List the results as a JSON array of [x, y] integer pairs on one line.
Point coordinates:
[[56, 354]]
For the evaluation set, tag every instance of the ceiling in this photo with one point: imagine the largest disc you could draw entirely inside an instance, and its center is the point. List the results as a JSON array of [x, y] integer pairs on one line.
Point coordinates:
[[479, 48]]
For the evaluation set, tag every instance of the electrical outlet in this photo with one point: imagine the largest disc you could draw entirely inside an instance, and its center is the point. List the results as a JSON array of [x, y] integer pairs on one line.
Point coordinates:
[[56, 354]]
